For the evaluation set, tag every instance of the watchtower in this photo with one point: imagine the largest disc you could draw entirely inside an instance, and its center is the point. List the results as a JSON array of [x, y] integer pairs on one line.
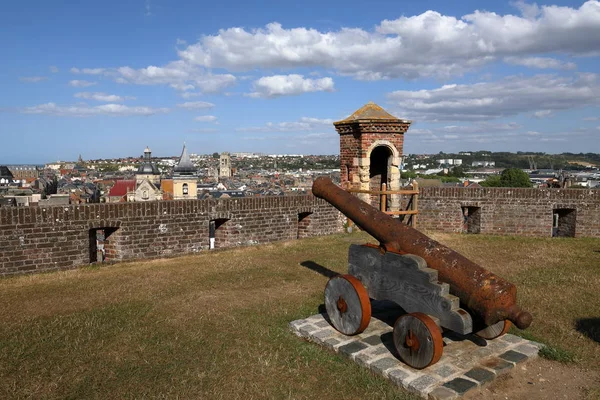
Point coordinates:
[[371, 142]]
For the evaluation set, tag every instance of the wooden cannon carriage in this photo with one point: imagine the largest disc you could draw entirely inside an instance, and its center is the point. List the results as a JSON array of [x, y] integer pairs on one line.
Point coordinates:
[[436, 286]]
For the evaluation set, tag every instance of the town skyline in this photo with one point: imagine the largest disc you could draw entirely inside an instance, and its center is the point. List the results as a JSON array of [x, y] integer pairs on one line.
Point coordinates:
[[107, 80]]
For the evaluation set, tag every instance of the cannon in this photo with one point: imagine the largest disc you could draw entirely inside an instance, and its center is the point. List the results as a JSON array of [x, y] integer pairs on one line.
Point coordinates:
[[436, 286]]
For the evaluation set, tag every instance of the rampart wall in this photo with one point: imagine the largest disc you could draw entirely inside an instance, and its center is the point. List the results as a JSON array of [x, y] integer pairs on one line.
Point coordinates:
[[511, 211], [36, 239]]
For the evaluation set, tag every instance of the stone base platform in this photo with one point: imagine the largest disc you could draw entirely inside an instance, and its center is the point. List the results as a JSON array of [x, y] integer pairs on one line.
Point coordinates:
[[467, 362]]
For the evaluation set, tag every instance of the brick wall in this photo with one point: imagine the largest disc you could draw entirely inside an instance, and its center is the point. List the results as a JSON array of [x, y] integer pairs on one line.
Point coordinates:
[[35, 239], [511, 211]]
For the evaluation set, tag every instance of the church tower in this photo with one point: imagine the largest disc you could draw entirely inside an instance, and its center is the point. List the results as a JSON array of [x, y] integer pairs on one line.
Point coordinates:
[[225, 165], [185, 180]]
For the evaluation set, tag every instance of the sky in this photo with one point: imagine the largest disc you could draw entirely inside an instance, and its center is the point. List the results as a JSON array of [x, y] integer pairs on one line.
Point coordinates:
[[106, 79]]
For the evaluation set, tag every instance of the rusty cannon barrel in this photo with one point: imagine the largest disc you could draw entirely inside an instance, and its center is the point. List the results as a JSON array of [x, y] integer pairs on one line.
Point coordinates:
[[487, 296]]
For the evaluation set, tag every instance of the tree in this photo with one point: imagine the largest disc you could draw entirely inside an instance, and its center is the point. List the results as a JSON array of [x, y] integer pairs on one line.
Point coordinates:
[[514, 177], [457, 172], [510, 177], [215, 155], [491, 181]]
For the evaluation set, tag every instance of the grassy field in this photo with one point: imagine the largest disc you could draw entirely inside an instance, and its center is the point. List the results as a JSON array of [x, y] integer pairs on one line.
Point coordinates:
[[215, 325]]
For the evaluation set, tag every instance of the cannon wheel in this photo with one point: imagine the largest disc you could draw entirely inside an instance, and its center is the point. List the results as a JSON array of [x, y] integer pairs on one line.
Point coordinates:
[[418, 340], [348, 305], [494, 331]]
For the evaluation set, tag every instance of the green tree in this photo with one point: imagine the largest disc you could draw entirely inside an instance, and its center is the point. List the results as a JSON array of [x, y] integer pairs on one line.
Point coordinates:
[[491, 181], [514, 177], [510, 177], [457, 172], [215, 155]]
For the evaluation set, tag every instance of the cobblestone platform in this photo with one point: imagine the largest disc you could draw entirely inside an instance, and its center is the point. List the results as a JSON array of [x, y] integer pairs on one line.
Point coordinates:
[[467, 362]]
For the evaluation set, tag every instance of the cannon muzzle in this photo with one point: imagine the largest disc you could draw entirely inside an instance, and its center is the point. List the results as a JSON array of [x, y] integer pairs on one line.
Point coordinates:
[[489, 297]]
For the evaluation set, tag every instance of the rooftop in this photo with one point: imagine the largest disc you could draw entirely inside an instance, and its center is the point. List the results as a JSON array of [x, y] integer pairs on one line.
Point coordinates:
[[370, 111]]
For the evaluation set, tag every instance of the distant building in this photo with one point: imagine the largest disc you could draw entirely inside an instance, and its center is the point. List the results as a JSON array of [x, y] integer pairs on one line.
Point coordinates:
[[147, 179], [185, 179], [24, 172], [118, 193], [225, 165], [450, 161], [484, 164]]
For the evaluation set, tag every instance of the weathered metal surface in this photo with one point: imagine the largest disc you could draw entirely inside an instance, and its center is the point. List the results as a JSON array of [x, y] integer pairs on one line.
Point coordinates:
[[488, 296]]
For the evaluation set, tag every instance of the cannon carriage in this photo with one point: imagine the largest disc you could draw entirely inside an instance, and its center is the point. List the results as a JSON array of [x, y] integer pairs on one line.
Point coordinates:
[[437, 287]]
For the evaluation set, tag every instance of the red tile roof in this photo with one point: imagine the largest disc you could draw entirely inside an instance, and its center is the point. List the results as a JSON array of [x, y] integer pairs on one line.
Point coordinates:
[[122, 187]]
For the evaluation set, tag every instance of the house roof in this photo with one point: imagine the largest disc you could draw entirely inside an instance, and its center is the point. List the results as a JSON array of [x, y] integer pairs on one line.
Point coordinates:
[[369, 111], [5, 172], [122, 187]]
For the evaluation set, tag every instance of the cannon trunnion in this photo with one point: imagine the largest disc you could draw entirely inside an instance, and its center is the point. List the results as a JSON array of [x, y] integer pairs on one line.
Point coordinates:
[[437, 287]]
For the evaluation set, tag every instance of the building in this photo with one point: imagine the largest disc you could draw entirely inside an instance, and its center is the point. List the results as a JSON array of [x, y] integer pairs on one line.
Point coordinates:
[[119, 192], [484, 164], [450, 161], [225, 165], [371, 142], [24, 172], [147, 179], [184, 184]]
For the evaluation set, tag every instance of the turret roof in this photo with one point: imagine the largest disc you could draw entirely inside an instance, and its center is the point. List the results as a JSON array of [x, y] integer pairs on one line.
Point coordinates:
[[369, 111]]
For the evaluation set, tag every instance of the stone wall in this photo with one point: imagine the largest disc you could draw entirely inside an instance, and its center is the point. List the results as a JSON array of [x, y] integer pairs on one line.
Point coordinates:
[[35, 239], [511, 211]]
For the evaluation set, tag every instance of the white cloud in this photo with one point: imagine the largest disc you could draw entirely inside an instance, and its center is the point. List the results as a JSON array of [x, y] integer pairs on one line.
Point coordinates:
[[33, 79], [591, 119], [302, 125], [289, 85], [507, 97], [206, 118], [182, 87], [429, 44], [189, 95], [320, 121], [80, 83], [479, 127], [87, 111], [178, 74], [543, 113], [89, 71], [98, 96], [203, 130], [54, 69], [195, 105], [540, 62]]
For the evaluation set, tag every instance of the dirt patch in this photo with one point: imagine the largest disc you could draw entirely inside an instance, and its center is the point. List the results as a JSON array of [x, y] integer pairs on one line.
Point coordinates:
[[541, 379]]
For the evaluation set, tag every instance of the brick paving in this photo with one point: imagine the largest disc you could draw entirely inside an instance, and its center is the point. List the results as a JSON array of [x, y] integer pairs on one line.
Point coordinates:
[[467, 362]]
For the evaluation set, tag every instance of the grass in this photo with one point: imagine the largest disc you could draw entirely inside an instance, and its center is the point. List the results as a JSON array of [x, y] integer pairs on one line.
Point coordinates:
[[214, 325]]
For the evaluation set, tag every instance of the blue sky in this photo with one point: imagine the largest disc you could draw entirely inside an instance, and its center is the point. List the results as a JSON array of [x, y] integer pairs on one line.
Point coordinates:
[[106, 79]]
